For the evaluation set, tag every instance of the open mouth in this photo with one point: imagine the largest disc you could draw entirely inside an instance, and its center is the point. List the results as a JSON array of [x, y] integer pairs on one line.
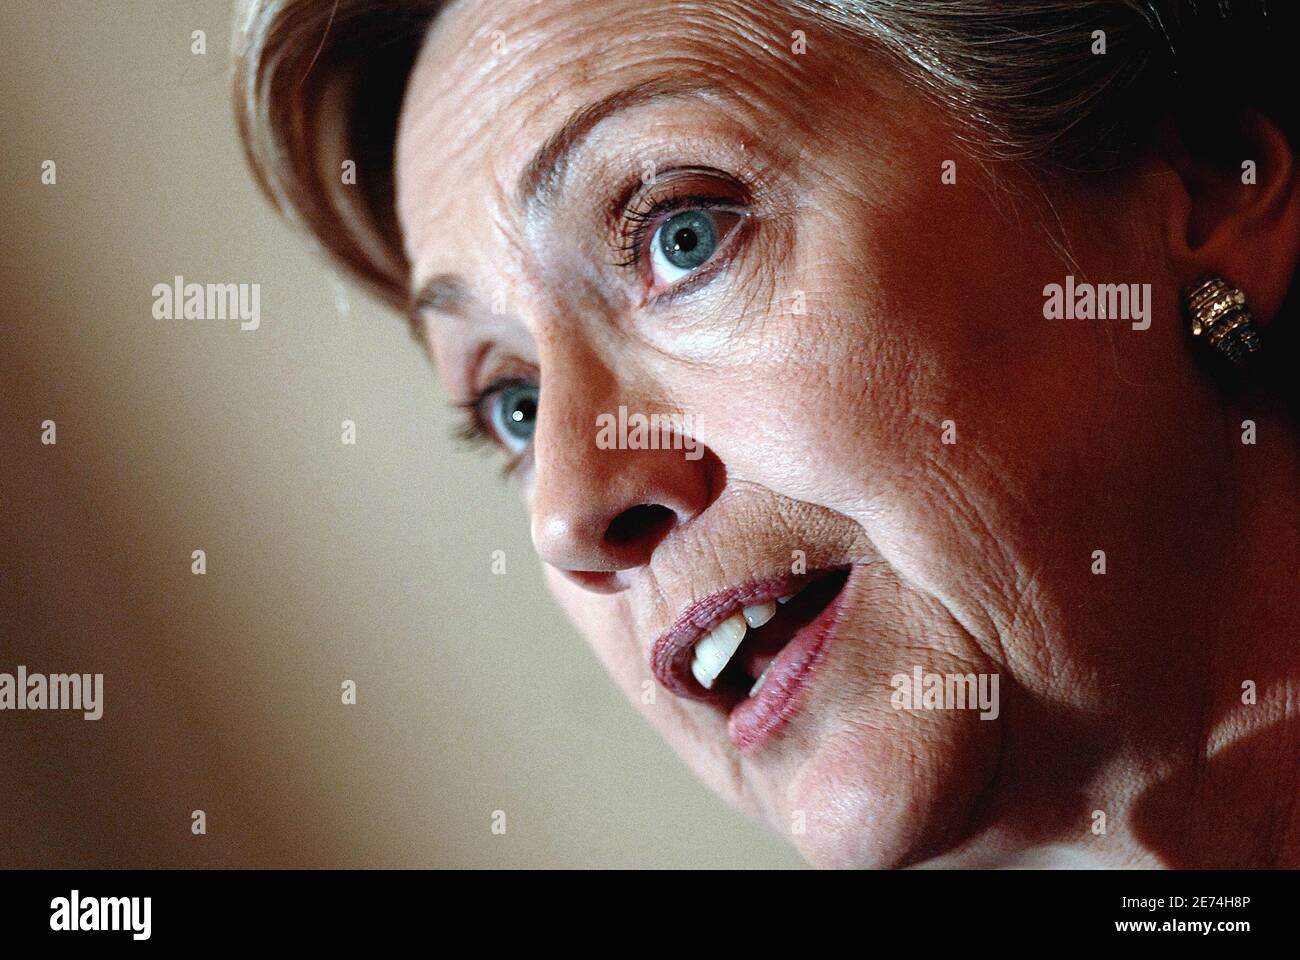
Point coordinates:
[[749, 650]]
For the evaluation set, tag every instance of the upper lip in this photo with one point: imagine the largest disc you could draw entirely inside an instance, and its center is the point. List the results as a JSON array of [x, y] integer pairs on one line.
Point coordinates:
[[670, 656]]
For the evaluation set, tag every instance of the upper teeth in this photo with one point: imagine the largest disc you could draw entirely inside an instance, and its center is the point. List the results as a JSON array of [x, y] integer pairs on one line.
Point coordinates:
[[715, 649], [758, 615]]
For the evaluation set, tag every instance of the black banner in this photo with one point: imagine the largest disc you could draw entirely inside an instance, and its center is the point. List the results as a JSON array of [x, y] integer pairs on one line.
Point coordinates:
[[983, 910]]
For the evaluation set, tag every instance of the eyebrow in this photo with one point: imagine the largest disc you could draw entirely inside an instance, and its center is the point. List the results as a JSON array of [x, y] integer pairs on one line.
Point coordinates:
[[546, 169], [445, 292], [449, 293]]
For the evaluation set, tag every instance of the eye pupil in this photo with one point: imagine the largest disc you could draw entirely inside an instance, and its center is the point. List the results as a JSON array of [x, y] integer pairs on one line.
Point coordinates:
[[516, 412], [525, 410], [688, 239]]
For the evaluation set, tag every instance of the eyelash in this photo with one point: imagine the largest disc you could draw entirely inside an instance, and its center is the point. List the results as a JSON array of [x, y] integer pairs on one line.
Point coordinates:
[[637, 226], [474, 431]]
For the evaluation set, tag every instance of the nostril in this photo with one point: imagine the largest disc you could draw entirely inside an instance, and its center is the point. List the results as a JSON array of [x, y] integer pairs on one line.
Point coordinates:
[[645, 524]]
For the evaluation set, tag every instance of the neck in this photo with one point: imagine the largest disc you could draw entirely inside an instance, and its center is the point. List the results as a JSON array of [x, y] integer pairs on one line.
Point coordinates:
[[1235, 793]]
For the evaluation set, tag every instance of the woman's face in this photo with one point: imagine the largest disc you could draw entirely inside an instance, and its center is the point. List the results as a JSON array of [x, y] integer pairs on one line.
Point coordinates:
[[751, 225]]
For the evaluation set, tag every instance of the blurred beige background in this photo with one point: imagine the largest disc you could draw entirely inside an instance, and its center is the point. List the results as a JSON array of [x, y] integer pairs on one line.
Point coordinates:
[[325, 562]]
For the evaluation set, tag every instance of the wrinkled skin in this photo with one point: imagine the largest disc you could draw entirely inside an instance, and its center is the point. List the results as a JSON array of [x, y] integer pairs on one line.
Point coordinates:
[[858, 306]]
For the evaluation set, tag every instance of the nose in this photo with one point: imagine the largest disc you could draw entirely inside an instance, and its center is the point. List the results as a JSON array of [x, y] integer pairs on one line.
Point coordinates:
[[597, 530], [599, 508]]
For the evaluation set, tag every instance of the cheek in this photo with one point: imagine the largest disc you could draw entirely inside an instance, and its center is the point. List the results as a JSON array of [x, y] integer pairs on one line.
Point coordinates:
[[689, 730], [605, 625], [941, 410]]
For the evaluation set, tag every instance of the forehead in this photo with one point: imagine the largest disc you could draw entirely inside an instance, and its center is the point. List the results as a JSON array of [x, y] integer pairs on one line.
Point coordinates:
[[496, 78]]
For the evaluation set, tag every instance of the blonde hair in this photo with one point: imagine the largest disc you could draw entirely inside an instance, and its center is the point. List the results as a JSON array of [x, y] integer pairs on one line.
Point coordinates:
[[318, 83]]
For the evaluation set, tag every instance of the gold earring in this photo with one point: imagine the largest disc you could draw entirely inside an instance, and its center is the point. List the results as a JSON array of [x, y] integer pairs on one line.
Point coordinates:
[[1219, 313]]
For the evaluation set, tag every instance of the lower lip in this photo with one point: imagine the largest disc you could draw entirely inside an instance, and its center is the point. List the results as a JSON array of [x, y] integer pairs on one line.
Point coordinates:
[[757, 719]]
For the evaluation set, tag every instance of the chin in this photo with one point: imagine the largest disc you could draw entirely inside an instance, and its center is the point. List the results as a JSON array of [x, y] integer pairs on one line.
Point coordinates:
[[817, 751], [877, 801]]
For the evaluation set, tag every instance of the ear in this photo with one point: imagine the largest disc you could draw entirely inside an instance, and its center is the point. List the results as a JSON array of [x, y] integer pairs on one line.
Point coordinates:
[[1236, 210]]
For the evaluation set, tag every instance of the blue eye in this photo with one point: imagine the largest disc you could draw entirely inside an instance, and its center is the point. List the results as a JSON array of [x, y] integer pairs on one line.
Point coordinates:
[[686, 241], [512, 413]]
